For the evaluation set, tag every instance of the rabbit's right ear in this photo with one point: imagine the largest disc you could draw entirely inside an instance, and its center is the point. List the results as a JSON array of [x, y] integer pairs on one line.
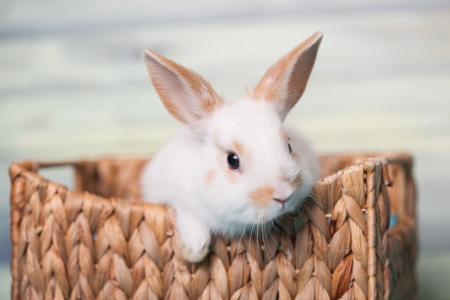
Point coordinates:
[[285, 81], [185, 94]]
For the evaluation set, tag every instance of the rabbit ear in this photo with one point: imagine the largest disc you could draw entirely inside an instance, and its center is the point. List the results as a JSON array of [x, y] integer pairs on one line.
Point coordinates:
[[185, 94], [285, 81]]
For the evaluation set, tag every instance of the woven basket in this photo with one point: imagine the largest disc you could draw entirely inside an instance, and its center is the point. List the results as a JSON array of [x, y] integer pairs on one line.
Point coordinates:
[[88, 244]]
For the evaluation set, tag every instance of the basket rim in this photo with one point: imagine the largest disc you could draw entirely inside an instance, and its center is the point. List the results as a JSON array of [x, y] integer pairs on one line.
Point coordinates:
[[29, 165]]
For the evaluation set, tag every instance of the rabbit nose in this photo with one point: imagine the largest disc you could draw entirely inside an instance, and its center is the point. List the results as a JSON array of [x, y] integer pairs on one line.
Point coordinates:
[[282, 201]]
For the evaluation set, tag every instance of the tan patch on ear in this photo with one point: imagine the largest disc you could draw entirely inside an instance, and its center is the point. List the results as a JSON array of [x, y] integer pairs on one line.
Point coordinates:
[[173, 82], [271, 83], [261, 197], [209, 104], [239, 147], [285, 81], [209, 176], [202, 89]]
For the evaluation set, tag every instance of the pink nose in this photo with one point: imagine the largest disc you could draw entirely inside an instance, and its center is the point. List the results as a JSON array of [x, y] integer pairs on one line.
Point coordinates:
[[279, 200]]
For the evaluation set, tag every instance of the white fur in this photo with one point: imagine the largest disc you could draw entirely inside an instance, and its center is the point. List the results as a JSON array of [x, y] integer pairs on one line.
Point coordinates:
[[176, 174], [191, 173]]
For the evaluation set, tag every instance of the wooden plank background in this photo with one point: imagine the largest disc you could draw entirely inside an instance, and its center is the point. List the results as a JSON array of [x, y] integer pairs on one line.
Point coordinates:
[[73, 85]]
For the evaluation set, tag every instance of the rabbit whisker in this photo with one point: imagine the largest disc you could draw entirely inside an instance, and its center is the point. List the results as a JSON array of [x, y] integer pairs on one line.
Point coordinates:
[[258, 249], [243, 231], [186, 185], [250, 239]]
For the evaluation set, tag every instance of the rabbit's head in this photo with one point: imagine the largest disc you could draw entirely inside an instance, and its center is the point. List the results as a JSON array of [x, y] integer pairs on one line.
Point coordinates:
[[254, 168]]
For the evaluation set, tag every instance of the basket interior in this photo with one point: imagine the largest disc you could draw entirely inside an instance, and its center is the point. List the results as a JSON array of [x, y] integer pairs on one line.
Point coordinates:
[[120, 178]]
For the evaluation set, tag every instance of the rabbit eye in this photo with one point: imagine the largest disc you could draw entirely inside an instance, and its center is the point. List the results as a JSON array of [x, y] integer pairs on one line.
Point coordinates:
[[233, 161], [290, 148]]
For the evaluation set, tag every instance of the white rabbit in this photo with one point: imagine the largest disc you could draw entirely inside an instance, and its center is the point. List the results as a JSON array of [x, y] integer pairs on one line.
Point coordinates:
[[234, 164]]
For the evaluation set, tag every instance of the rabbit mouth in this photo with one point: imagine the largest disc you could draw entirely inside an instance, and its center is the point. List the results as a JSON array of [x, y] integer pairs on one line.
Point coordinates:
[[281, 201]]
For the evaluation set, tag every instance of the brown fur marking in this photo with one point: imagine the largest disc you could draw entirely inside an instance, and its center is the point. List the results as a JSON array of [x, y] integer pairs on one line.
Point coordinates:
[[286, 80], [294, 183], [202, 89], [239, 147], [297, 182], [232, 175], [283, 135], [198, 87], [261, 197], [209, 176]]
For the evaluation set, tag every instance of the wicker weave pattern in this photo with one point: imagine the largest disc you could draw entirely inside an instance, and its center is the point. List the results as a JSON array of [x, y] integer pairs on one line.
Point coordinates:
[[78, 245]]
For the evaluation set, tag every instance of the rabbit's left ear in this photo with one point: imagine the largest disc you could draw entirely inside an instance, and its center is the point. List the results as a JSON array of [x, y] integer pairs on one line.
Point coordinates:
[[284, 82]]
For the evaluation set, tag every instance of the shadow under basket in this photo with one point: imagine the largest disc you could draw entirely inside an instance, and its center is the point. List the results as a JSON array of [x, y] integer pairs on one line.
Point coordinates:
[[356, 239]]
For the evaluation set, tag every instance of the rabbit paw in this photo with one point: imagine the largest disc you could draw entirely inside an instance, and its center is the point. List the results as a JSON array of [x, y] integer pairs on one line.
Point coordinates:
[[195, 238], [193, 255]]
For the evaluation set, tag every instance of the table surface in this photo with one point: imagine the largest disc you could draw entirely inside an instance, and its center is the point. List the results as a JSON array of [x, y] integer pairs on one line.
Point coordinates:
[[73, 85]]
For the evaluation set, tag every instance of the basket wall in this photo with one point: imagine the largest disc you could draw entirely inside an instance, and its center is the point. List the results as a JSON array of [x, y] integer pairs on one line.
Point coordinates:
[[85, 244]]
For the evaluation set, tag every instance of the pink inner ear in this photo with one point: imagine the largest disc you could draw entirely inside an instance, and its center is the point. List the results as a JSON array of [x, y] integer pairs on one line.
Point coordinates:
[[272, 85], [285, 81], [185, 94]]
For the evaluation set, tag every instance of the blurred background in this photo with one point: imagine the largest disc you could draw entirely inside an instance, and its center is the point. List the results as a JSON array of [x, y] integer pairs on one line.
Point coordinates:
[[73, 85]]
